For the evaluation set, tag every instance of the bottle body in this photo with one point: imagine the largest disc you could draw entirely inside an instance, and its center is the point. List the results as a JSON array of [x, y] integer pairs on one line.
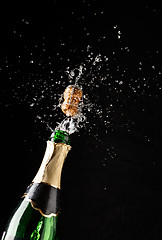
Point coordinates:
[[28, 223], [37, 215]]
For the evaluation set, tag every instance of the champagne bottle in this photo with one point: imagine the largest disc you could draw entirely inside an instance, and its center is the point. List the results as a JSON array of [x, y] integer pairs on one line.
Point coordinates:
[[37, 215]]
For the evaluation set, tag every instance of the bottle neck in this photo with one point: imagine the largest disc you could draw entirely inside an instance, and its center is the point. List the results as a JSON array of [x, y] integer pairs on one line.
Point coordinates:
[[55, 154], [61, 137], [44, 191]]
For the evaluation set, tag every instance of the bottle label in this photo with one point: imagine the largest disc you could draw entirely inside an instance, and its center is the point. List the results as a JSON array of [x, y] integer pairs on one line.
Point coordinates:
[[44, 198], [51, 167]]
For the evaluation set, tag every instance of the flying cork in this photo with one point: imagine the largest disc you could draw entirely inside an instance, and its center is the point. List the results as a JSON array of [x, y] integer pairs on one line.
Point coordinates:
[[72, 96]]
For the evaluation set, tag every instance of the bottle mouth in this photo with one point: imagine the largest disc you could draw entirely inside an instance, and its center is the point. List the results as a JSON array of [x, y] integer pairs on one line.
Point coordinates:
[[61, 137]]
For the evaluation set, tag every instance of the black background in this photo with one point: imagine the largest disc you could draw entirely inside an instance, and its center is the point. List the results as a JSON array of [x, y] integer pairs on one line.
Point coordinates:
[[120, 199]]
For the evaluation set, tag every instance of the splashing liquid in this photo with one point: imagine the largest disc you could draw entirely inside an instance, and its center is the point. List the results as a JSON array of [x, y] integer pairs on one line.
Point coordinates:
[[72, 106], [112, 83]]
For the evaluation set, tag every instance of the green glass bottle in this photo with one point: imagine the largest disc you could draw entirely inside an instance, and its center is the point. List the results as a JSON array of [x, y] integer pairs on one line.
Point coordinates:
[[37, 215]]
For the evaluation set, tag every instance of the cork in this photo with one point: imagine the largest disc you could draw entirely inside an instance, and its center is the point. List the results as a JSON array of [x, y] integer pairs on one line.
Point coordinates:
[[72, 97]]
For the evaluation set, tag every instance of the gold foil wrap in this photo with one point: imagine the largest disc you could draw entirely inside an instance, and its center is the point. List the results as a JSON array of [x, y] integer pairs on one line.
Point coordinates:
[[51, 166]]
